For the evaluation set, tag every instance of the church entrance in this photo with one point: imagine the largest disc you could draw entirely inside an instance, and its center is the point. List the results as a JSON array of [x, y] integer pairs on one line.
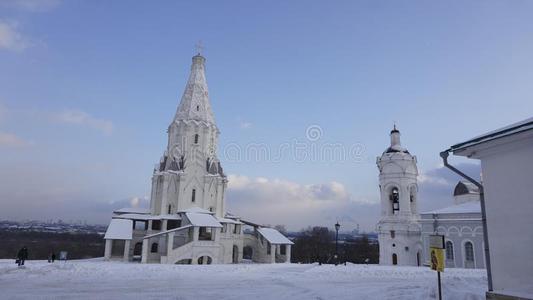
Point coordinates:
[[247, 252], [394, 259], [235, 254]]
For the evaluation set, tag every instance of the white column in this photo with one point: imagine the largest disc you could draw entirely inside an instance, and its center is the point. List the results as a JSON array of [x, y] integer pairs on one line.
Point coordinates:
[[288, 254], [195, 233], [127, 250], [170, 242], [144, 255], [108, 247], [273, 253], [164, 225]]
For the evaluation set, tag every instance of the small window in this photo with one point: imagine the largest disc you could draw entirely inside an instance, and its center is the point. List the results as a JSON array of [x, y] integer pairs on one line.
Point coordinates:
[[394, 259], [156, 225], [197, 107], [469, 251], [154, 248], [196, 137], [169, 209], [193, 198], [211, 208], [392, 234], [449, 250]]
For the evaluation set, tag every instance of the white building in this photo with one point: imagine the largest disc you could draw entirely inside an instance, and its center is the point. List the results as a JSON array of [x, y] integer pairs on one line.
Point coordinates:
[[506, 157], [403, 232], [399, 227], [187, 222]]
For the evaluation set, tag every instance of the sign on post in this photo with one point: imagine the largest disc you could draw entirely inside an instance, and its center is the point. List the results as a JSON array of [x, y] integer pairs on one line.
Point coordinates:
[[436, 256]]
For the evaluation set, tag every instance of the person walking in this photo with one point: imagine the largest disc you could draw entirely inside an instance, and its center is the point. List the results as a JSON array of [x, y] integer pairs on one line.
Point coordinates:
[[53, 256], [22, 255]]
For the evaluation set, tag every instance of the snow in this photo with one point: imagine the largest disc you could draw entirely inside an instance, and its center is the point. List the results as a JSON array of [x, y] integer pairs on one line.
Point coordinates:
[[96, 279], [203, 220], [119, 229], [226, 220], [196, 209], [463, 208], [133, 210], [273, 236]]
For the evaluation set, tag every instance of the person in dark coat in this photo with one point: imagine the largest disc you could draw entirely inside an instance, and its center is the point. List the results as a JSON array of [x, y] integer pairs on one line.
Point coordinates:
[[22, 255], [53, 256]]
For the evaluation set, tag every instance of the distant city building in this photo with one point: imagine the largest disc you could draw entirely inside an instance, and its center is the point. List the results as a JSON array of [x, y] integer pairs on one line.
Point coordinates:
[[187, 222], [506, 157]]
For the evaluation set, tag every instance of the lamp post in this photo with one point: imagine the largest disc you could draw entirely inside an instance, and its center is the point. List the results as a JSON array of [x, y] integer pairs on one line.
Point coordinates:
[[337, 226]]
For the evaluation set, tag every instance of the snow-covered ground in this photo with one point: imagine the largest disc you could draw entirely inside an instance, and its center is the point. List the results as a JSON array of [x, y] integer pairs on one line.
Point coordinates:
[[96, 279]]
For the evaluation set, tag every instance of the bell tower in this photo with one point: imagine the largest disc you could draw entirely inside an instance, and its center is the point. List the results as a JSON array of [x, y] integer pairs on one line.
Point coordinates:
[[398, 229]]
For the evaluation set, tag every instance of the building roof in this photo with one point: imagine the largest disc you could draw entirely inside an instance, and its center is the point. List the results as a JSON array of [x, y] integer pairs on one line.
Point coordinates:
[[469, 207], [465, 187], [119, 229], [194, 104], [133, 210], [273, 236], [226, 220], [197, 210], [512, 129], [202, 220]]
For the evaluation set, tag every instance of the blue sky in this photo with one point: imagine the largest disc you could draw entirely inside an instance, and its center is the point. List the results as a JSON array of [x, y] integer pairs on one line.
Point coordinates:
[[87, 89]]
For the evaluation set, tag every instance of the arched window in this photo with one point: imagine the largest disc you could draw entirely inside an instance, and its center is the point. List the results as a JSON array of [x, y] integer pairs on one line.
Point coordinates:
[[449, 250], [193, 197], [196, 136], [169, 209], [154, 248], [395, 200], [469, 252], [394, 259]]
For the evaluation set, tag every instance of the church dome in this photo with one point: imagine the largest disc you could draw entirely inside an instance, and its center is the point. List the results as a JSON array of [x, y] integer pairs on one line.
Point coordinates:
[[464, 188]]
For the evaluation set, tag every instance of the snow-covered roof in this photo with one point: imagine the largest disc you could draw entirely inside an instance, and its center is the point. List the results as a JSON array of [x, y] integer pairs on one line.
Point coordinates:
[[469, 207], [119, 229], [132, 210], [273, 236], [515, 128], [203, 220], [226, 220], [465, 187], [135, 217], [197, 210]]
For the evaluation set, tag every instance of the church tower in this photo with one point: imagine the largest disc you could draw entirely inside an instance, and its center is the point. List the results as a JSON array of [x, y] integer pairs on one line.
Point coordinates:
[[189, 173], [398, 229]]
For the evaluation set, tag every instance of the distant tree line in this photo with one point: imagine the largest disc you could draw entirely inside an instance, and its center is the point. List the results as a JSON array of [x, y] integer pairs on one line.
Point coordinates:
[[317, 244], [41, 244]]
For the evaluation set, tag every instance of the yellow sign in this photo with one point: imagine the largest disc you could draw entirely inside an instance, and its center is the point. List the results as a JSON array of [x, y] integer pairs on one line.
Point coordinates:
[[436, 259]]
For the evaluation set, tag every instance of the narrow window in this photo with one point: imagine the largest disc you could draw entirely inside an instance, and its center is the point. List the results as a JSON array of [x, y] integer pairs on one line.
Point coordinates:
[[392, 234], [197, 107], [154, 248], [469, 252], [268, 248], [169, 209], [395, 198], [394, 259], [193, 195], [196, 136], [449, 250]]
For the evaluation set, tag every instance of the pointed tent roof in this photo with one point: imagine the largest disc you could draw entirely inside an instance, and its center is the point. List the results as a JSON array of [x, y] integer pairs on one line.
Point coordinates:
[[395, 144], [194, 104]]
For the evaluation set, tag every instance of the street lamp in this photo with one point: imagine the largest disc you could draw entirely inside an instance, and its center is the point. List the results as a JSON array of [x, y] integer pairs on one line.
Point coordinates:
[[337, 226]]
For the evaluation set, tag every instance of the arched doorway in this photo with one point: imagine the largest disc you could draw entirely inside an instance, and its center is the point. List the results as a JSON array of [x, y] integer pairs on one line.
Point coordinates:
[[204, 260], [418, 259], [235, 254], [394, 259], [247, 252], [138, 249]]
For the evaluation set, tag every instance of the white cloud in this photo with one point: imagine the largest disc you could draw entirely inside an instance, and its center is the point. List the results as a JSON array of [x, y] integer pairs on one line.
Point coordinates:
[[245, 125], [33, 5], [11, 140], [84, 119], [276, 201], [11, 39]]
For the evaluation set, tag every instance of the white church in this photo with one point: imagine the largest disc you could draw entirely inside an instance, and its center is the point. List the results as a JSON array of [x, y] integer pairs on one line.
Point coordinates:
[[403, 232], [187, 222]]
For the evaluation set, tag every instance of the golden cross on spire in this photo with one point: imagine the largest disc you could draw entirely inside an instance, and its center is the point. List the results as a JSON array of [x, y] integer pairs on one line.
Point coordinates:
[[199, 47]]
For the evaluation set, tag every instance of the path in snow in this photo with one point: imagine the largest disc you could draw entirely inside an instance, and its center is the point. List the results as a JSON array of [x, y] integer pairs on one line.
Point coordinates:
[[95, 279]]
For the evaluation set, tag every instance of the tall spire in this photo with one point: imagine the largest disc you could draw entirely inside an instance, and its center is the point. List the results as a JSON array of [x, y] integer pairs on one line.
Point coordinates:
[[194, 104]]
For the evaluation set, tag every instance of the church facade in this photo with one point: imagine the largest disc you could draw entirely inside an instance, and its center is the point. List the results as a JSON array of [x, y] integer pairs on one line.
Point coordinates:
[[187, 222], [403, 232]]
